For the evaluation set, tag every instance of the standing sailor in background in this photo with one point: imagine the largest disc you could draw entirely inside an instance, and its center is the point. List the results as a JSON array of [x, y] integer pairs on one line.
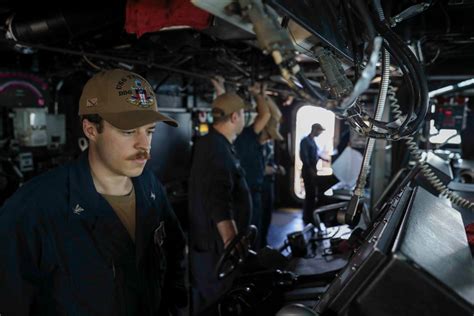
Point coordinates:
[[219, 202], [249, 146], [309, 157]]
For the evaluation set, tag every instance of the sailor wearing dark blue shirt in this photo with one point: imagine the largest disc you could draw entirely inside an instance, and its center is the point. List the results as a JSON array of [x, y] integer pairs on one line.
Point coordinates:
[[98, 235], [309, 157], [219, 202], [249, 146]]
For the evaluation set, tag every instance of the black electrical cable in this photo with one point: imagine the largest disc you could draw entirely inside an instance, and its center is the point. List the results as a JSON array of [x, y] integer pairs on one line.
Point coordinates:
[[383, 125], [415, 68], [413, 83], [113, 58], [363, 10], [313, 91], [418, 89], [410, 83], [364, 16], [412, 99], [374, 122], [348, 16]]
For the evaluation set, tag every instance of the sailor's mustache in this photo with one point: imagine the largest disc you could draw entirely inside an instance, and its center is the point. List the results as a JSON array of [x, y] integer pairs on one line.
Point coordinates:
[[141, 155]]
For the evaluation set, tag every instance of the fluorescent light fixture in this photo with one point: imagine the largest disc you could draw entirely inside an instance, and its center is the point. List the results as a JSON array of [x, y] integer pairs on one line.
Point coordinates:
[[466, 83], [440, 91]]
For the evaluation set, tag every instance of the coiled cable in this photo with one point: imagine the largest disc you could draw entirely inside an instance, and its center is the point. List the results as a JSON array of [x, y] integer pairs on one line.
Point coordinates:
[[416, 156]]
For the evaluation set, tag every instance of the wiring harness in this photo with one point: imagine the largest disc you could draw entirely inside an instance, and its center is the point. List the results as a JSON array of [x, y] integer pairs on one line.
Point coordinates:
[[276, 41]]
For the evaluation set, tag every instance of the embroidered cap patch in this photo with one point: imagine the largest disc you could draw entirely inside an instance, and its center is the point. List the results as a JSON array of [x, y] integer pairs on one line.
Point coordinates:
[[140, 96]]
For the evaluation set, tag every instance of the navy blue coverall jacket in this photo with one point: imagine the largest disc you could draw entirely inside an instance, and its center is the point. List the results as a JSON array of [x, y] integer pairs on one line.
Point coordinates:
[[58, 239], [308, 153]]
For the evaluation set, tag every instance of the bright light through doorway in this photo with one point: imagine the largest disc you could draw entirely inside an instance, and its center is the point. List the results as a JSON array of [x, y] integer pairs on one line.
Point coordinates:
[[305, 117]]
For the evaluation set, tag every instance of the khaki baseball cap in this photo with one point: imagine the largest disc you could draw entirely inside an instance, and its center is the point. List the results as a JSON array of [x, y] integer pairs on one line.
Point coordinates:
[[228, 103], [122, 98]]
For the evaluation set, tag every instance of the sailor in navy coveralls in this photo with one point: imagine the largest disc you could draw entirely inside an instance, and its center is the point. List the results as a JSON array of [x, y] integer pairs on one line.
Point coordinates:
[[96, 236]]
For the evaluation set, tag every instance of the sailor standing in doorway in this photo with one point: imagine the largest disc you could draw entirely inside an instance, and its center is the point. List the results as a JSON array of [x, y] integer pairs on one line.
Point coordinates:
[[309, 157]]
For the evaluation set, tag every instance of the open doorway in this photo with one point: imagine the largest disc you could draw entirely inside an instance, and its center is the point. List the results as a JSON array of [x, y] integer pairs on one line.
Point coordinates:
[[305, 117]]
